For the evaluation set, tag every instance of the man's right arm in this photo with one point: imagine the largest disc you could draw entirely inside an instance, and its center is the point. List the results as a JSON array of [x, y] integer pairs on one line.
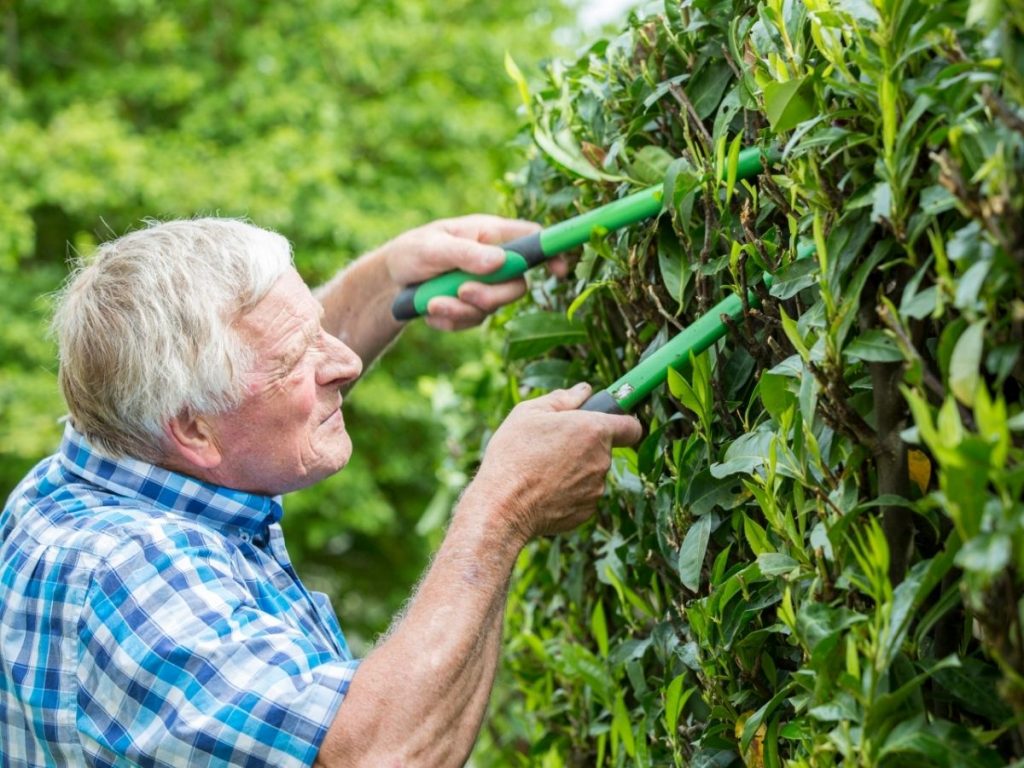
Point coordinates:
[[420, 697]]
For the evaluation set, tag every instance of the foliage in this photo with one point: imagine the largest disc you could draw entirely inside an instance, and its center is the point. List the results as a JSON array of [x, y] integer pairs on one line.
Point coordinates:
[[816, 555], [335, 122]]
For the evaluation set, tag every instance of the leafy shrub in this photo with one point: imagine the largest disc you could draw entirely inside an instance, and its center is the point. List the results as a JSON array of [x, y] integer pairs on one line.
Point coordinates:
[[816, 554]]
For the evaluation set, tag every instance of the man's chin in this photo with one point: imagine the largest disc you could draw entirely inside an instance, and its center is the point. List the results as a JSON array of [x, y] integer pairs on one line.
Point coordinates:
[[341, 452], [329, 463]]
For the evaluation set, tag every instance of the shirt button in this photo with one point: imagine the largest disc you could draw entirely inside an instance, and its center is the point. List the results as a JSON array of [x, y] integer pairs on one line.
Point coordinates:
[[244, 536]]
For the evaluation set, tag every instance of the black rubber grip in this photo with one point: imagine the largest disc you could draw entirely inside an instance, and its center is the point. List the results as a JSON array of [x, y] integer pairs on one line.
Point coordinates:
[[602, 402], [404, 306], [528, 247]]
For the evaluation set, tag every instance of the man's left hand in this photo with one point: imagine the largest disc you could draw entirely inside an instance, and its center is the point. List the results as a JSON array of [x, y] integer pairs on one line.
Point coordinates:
[[466, 243]]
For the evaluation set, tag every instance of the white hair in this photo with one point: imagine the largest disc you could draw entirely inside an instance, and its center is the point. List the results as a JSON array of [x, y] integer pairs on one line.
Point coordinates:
[[144, 327]]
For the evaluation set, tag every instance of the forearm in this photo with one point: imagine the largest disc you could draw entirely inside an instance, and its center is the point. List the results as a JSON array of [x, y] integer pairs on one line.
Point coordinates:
[[420, 697], [357, 306]]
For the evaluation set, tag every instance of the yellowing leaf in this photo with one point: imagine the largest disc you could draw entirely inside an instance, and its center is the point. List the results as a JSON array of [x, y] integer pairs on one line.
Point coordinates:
[[517, 76], [753, 757], [919, 468]]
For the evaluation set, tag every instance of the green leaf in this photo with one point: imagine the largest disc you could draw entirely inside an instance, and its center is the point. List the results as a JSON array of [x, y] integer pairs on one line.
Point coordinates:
[[820, 626], [584, 295], [756, 537], [801, 274], [881, 201], [922, 304], [650, 164], [776, 563], [706, 88], [939, 742], [574, 660], [682, 391], [746, 454], [599, 629], [874, 346], [705, 493], [731, 168], [987, 554], [973, 684], [666, 85], [564, 150], [622, 726], [969, 286], [792, 332], [788, 104], [776, 394], [547, 374], [947, 342], [692, 552], [965, 362], [674, 265], [675, 700], [534, 334]]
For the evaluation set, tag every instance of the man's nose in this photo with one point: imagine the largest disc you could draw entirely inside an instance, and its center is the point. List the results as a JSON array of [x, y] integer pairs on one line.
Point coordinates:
[[338, 364]]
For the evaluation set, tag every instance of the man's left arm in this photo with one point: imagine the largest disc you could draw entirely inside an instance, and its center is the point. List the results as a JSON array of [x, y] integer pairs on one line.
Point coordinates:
[[357, 302]]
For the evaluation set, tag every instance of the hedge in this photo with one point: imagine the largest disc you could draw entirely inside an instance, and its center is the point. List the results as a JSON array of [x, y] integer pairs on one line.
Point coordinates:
[[815, 557]]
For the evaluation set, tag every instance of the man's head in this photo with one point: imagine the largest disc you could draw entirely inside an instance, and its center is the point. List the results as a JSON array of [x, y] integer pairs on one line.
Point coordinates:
[[196, 345]]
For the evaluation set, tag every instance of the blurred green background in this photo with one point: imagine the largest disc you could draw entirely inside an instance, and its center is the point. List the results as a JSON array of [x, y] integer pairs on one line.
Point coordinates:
[[337, 123]]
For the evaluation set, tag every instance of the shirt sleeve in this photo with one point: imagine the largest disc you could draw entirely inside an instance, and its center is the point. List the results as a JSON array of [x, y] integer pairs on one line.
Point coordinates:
[[179, 666]]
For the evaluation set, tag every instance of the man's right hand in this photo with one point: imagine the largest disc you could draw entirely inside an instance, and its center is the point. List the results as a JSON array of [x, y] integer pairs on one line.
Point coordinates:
[[545, 467], [419, 698]]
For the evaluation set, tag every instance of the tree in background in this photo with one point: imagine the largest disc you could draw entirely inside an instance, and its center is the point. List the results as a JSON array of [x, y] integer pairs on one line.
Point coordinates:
[[337, 123], [816, 556]]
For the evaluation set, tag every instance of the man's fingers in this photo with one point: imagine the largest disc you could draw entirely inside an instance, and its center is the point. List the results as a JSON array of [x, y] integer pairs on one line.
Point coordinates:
[[474, 303], [447, 313], [431, 251], [488, 298], [489, 229], [621, 429], [558, 266], [625, 430], [472, 248], [444, 252]]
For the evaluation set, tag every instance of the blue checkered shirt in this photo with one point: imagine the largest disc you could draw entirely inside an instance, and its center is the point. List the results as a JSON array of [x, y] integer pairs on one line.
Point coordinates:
[[147, 618]]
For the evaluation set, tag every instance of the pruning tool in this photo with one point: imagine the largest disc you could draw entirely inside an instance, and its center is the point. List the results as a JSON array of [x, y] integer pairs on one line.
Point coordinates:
[[627, 391], [525, 252]]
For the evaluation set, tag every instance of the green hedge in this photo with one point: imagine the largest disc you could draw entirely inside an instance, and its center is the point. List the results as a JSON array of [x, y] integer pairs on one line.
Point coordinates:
[[815, 556]]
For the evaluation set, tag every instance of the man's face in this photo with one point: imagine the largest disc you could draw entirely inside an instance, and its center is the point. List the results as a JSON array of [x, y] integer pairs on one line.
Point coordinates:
[[288, 431]]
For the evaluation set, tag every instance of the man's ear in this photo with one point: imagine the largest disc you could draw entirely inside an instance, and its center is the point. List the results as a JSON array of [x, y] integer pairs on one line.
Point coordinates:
[[193, 439]]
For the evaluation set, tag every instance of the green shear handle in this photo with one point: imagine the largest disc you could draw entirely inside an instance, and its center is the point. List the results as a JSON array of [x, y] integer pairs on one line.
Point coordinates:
[[529, 251]]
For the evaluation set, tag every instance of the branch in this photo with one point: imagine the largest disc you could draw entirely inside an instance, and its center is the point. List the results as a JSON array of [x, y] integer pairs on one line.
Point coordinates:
[[680, 95]]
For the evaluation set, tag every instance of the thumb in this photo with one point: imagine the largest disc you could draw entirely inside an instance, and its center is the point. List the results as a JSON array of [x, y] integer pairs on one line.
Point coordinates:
[[564, 399]]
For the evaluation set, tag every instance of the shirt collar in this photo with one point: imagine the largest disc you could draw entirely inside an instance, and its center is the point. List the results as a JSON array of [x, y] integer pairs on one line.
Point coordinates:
[[217, 506]]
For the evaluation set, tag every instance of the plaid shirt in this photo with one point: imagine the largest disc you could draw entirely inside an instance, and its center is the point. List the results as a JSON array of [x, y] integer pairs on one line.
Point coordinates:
[[147, 618]]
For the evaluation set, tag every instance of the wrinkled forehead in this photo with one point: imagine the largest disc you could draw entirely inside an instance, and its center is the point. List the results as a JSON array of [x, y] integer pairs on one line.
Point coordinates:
[[284, 318]]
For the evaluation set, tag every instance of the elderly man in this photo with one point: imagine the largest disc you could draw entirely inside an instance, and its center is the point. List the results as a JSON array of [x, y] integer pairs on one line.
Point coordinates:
[[150, 614]]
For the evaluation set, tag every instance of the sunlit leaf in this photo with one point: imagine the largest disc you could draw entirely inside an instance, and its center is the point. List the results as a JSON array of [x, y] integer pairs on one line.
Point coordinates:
[[965, 362], [788, 104], [691, 553]]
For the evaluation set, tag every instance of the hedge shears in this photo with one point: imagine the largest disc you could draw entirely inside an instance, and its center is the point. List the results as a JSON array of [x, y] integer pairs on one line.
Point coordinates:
[[526, 252]]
